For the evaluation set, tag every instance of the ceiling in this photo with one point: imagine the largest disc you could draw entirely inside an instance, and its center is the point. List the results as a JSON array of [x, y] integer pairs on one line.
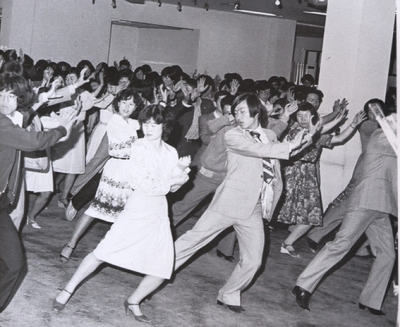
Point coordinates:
[[307, 24]]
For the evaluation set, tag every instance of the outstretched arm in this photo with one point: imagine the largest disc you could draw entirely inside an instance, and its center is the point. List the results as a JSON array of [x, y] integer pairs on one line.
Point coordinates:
[[350, 130]]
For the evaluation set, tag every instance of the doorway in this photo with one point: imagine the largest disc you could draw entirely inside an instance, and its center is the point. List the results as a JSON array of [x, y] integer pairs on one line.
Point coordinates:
[[156, 45]]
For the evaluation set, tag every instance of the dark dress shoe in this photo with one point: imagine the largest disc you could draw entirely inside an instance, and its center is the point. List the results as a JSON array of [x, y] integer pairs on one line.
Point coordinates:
[[229, 258], [302, 297], [312, 245], [372, 311], [234, 308]]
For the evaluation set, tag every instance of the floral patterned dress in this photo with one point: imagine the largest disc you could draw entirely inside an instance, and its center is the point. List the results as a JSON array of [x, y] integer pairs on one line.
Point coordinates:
[[114, 188], [301, 195]]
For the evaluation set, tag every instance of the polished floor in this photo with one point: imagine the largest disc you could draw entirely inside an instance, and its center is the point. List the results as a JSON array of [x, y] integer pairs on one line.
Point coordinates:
[[190, 298]]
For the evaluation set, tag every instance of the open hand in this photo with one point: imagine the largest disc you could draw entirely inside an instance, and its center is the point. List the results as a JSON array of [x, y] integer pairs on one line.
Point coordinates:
[[291, 108], [234, 86], [359, 117], [201, 85]]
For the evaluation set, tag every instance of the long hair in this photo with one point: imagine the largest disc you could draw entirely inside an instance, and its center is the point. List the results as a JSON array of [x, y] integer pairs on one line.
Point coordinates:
[[255, 107]]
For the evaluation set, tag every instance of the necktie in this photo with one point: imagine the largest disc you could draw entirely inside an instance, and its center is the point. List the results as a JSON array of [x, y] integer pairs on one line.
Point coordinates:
[[268, 169]]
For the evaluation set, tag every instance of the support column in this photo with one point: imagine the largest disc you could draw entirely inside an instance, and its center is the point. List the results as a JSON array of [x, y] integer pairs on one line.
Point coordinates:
[[355, 65]]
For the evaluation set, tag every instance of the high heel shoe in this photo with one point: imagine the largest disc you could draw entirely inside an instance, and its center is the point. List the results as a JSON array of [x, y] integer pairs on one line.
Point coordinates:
[[141, 318], [62, 203], [32, 223], [66, 253], [58, 306]]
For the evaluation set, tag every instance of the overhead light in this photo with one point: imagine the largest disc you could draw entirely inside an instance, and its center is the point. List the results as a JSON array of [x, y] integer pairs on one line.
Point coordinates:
[[236, 6], [179, 7], [315, 13], [259, 13], [277, 3]]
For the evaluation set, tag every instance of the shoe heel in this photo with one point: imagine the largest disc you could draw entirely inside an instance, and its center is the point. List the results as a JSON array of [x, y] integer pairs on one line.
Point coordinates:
[[126, 306]]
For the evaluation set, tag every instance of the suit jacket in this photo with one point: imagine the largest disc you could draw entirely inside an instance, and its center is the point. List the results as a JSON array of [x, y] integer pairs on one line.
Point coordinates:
[[14, 138], [377, 184], [184, 119], [205, 136], [239, 193]]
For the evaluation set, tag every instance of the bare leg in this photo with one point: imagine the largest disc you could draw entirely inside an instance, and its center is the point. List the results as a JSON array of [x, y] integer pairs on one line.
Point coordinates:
[[58, 180], [146, 286], [81, 225], [68, 183], [38, 204], [297, 232], [87, 266]]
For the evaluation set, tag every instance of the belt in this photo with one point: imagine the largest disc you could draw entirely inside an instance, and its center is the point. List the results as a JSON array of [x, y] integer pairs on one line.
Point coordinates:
[[211, 174], [119, 158]]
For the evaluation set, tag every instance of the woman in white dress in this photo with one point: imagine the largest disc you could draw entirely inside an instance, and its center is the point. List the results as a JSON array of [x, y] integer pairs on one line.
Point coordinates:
[[68, 155], [140, 239], [113, 189]]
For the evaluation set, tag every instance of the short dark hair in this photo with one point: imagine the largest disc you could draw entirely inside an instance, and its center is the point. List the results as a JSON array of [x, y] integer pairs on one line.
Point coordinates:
[[125, 62], [307, 77], [227, 100], [255, 107], [82, 65], [306, 106], [172, 72], [282, 102], [263, 85], [273, 79], [128, 73], [219, 94], [146, 69], [313, 90], [160, 116], [127, 94], [247, 86]]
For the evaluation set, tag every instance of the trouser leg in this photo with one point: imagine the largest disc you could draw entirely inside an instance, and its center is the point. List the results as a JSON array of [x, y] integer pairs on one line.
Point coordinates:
[[12, 260], [333, 217], [210, 224], [380, 235], [227, 244], [17, 215], [87, 193], [353, 226], [202, 186], [251, 238]]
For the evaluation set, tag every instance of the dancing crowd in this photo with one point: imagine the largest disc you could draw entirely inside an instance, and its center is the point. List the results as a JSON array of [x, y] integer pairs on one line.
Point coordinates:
[[145, 150]]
